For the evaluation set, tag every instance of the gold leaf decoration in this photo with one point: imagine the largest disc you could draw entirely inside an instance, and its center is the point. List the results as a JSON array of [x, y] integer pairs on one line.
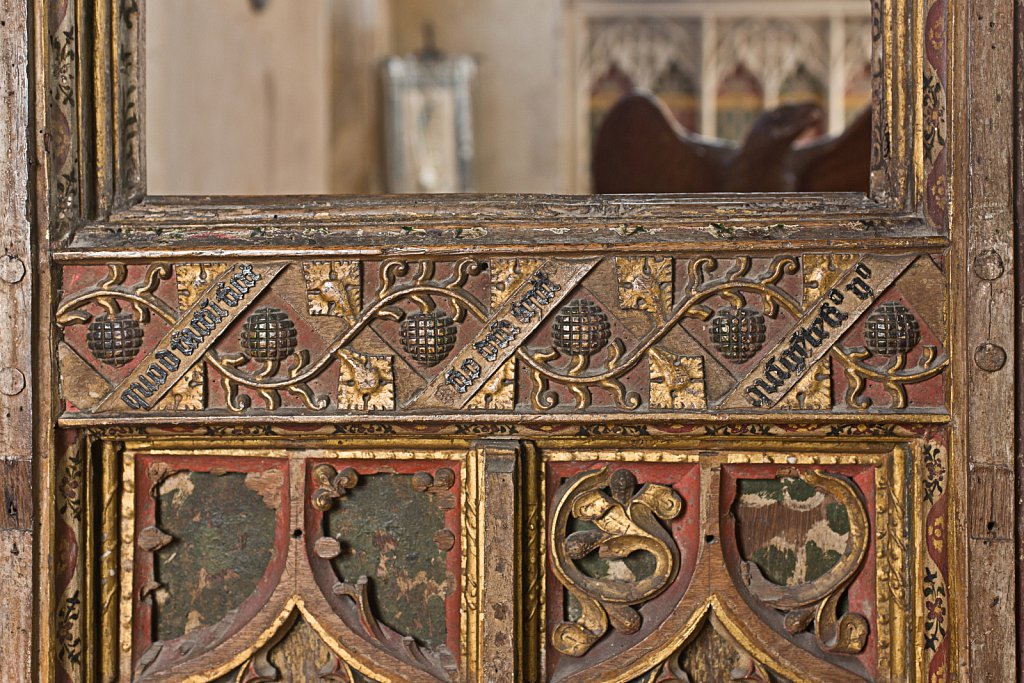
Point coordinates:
[[331, 485], [192, 279], [189, 393], [625, 520], [677, 382], [645, 283], [295, 652], [499, 392], [333, 288], [365, 382], [821, 271], [813, 391], [507, 274]]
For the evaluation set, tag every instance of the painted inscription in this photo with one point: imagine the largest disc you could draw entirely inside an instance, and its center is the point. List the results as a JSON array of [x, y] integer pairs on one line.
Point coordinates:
[[199, 326], [499, 335], [824, 322], [502, 333], [541, 292], [210, 314]]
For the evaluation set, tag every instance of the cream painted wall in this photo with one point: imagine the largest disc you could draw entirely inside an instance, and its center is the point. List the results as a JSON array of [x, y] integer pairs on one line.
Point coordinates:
[[287, 100], [521, 139], [237, 100], [360, 40]]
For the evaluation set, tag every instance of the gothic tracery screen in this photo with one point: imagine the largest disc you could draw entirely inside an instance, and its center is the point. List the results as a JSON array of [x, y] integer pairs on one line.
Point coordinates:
[[718, 65]]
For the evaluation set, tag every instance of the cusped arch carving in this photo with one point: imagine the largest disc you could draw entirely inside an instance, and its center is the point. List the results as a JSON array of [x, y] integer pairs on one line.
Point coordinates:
[[359, 641], [715, 592], [756, 663], [818, 600]]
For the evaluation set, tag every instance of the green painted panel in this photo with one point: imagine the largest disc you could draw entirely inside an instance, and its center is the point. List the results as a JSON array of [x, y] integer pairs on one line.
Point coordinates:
[[792, 531], [223, 535], [386, 529], [634, 567]]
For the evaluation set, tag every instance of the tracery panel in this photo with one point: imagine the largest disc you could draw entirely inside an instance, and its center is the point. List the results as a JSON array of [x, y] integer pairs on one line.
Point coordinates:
[[669, 565], [714, 429], [228, 555]]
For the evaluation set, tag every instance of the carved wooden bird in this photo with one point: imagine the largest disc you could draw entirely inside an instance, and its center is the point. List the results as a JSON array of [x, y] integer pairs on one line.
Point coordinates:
[[641, 148]]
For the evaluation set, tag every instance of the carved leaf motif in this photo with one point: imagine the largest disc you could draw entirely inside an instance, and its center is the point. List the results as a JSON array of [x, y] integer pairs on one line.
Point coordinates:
[[821, 271], [193, 279], [506, 275], [188, 394], [813, 391], [499, 392], [333, 288], [365, 382], [295, 652], [332, 484], [625, 522], [677, 382], [645, 283]]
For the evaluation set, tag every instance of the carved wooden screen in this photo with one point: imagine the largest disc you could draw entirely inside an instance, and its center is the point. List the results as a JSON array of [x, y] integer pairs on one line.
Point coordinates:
[[497, 438]]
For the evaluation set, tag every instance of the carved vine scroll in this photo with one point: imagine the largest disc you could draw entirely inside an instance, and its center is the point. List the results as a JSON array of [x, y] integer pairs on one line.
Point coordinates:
[[609, 335], [625, 521]]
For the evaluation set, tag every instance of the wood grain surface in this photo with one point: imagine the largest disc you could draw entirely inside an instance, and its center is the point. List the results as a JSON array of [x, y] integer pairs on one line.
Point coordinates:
[[983, 181], [985, 157], [16, 519]]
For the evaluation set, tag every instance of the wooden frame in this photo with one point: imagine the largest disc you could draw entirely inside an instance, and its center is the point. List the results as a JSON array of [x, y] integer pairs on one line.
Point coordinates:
[[115, 110], [941, 183]]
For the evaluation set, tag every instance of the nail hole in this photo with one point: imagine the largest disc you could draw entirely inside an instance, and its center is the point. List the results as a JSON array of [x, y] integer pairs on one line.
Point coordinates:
[[991, 526], [297, 533], [710, 538]]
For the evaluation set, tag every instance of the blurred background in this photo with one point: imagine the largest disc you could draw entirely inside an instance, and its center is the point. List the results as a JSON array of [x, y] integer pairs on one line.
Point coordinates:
[[369, 96]]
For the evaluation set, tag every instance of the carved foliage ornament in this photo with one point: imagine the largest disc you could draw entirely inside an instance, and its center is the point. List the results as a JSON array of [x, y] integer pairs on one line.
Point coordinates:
[[677, 382], [295, 647], [625, 521], [333, 288], [645, 283], [478, 356], [331, 485]]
